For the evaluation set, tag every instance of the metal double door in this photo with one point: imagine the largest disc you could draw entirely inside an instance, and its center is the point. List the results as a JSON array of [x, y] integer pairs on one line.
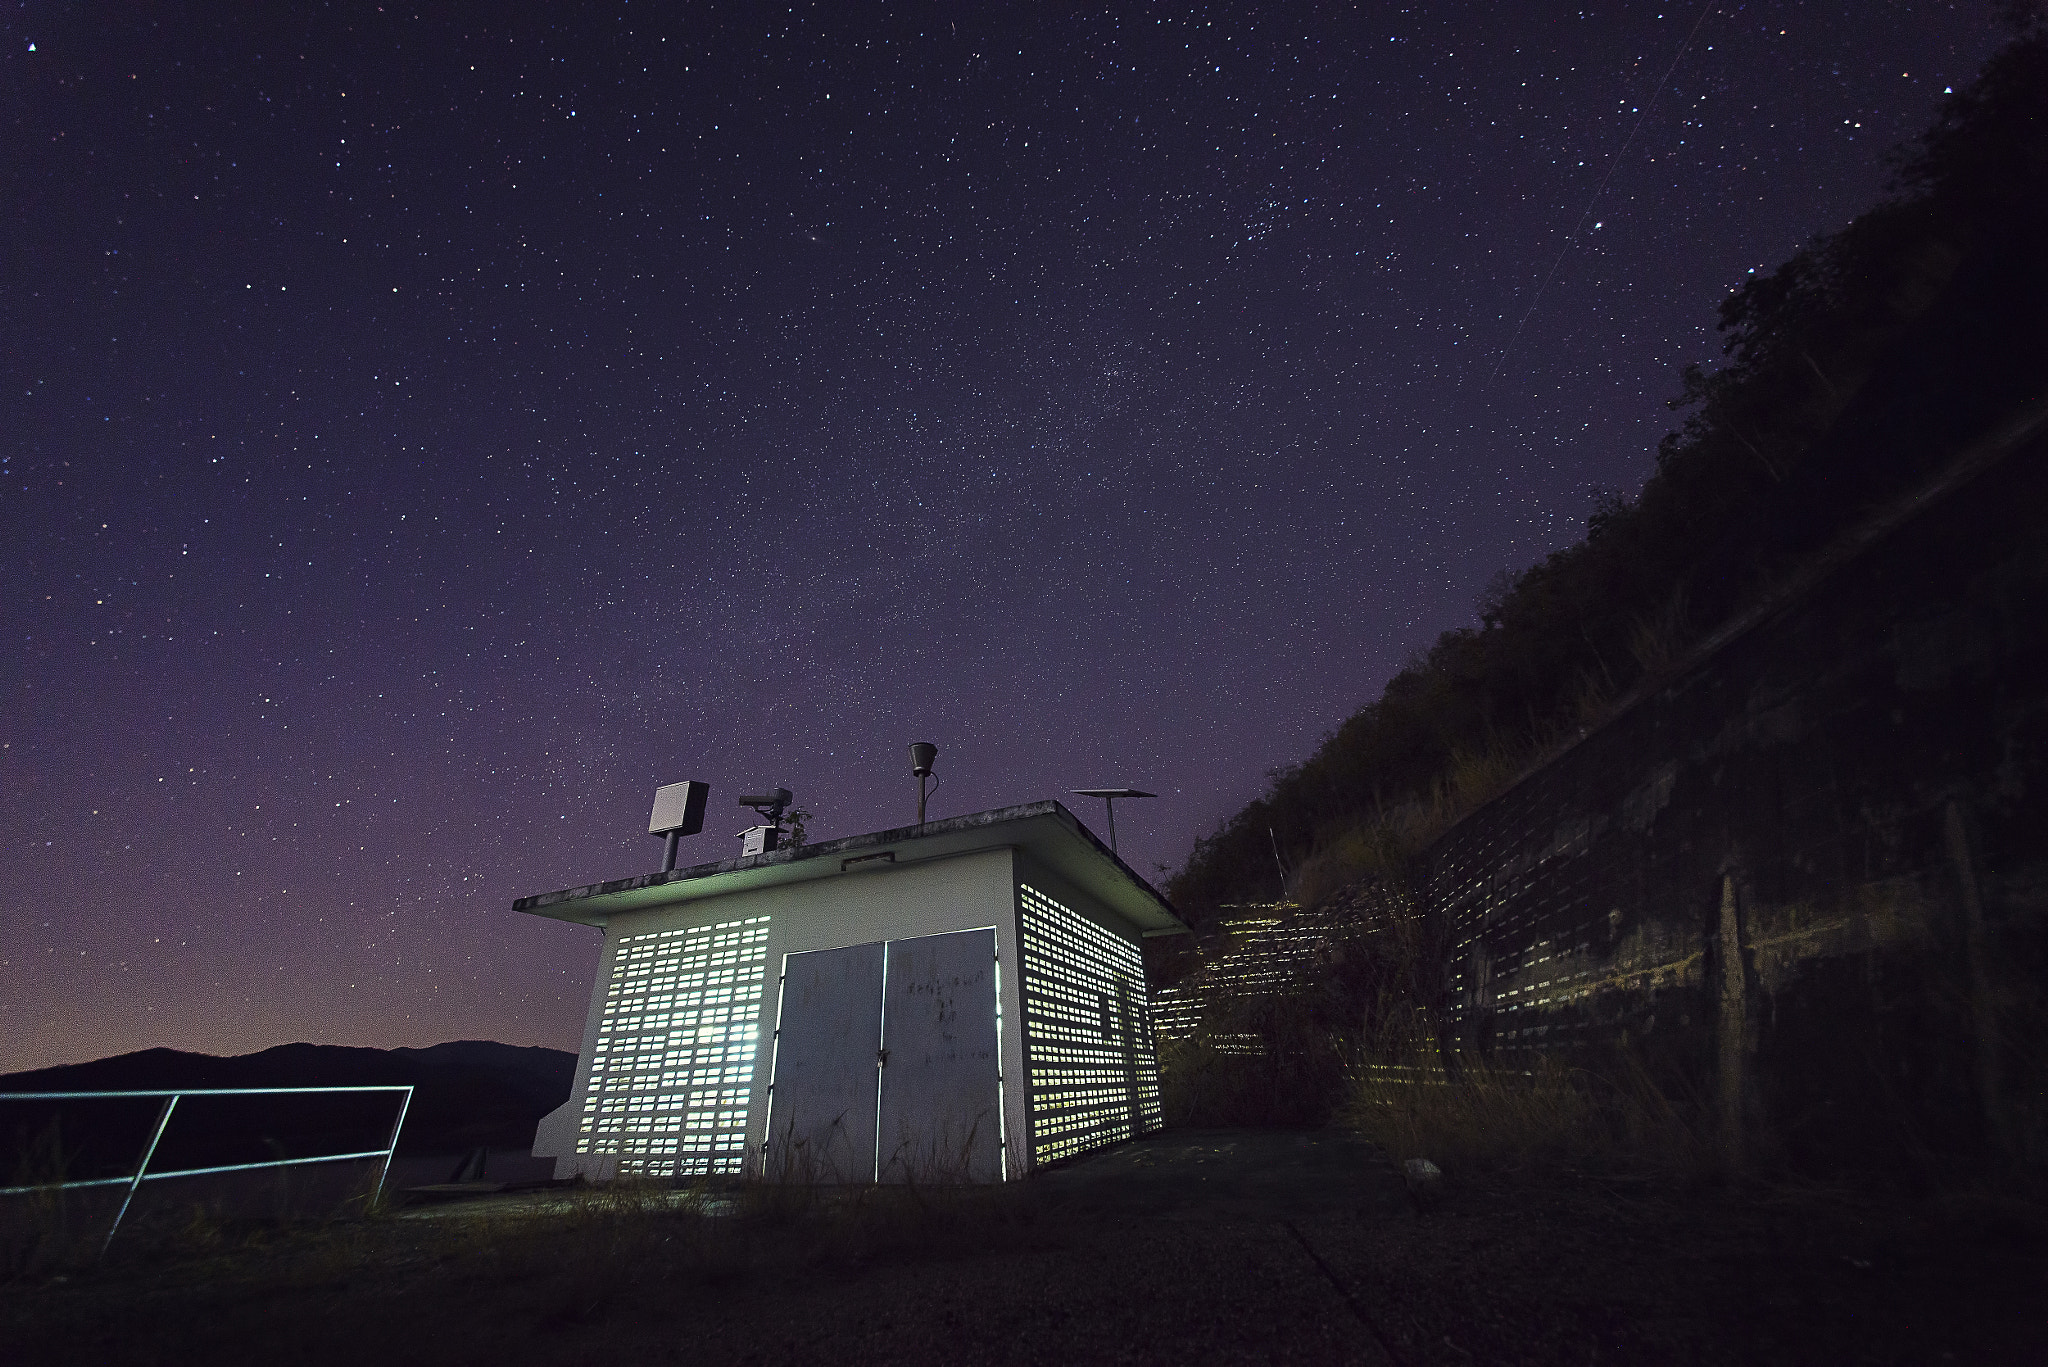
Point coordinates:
[[887, 1064]]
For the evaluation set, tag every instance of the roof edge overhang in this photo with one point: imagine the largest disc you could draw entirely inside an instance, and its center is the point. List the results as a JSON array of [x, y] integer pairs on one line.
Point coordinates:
[[1047, 830]]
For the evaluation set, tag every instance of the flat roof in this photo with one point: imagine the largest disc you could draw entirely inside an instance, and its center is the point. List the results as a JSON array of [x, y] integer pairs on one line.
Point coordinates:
[[1047, 830]]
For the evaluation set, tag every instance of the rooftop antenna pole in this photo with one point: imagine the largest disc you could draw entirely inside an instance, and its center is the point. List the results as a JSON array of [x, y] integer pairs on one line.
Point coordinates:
[[1109, 797], [922, 753]]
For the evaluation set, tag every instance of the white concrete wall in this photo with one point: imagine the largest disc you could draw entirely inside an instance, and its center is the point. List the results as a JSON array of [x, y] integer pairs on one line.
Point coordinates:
[[555, 1137], [871, 902], [1039, 876], [1031, 871]]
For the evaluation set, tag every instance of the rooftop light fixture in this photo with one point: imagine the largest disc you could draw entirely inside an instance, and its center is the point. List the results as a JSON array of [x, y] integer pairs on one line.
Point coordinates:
[[922, 753]]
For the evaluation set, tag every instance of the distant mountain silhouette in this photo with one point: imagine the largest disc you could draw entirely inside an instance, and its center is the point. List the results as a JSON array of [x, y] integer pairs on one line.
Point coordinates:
[[468, 1093]]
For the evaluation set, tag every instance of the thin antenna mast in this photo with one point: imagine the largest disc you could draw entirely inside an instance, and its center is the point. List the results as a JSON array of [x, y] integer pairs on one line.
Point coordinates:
[[1109, 797]]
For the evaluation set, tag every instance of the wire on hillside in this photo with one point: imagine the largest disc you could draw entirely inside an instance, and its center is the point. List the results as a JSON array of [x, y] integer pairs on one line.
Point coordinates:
[[1612, 166]]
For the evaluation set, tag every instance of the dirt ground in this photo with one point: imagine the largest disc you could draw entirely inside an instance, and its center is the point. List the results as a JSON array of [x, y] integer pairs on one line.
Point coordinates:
[[1187, 1247]]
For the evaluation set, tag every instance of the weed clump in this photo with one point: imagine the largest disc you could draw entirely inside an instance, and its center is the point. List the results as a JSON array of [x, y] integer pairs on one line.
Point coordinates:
[[1415, 1099], [1332, 1014]]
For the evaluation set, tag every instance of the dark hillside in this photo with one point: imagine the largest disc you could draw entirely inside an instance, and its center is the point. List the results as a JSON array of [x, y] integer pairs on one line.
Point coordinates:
[[469, 1093], [1854, 371]]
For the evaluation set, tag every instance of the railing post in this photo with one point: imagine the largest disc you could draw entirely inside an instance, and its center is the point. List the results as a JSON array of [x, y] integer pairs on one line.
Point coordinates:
[[377, 1192], [163, 1118]]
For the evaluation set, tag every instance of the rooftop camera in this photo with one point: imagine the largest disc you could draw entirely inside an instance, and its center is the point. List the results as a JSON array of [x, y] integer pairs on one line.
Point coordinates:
[[771, 806]]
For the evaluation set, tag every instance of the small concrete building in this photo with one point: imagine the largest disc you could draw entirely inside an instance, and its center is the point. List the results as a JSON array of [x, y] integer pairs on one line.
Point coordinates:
[[957, 1001]]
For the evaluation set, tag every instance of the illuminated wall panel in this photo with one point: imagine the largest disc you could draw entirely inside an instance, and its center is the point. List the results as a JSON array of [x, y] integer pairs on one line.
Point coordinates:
[[1093, 1069], [673, 1064]]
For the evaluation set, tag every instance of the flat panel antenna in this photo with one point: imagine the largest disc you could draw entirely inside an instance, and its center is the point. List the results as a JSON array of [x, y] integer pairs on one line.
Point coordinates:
[[678, 811]]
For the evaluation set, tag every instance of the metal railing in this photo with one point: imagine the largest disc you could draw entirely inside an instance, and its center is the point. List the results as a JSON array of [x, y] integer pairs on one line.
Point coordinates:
[[142, 1173]]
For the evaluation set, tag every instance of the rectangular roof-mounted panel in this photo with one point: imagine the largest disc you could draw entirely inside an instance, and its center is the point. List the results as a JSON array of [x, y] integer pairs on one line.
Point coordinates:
[[679, 807]]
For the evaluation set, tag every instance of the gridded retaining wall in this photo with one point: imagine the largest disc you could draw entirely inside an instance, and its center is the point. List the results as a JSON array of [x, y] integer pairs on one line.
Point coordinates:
[[1269, 947], [1807, 878]]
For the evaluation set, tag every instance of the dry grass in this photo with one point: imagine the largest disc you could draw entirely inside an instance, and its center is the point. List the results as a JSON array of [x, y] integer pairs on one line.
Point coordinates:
[[1277, 1026], [46, 1227], [724, 1228], [1345, 1033], [1376, 849], [51, 1230], [715, 1225], [1660, 639], [1469, 1117], [939, 1210], [1379, 847], [1202, 1272], [568, 1260], [1268, 1063]]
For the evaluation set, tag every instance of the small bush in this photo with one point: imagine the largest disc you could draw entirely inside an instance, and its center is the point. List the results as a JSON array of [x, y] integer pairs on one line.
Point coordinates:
[[1279, 1008], [1268, 1063]]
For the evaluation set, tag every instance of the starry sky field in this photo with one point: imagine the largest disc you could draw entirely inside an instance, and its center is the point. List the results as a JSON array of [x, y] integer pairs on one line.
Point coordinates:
[[424, 431]]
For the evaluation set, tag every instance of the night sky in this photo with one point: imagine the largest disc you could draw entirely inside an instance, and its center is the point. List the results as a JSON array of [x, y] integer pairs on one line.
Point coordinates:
[[423, 433]]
